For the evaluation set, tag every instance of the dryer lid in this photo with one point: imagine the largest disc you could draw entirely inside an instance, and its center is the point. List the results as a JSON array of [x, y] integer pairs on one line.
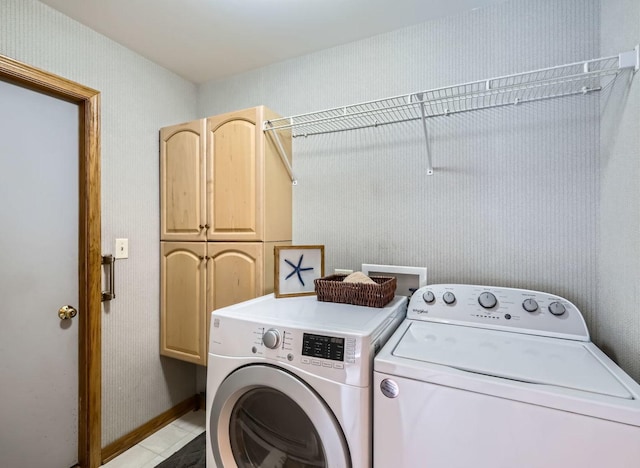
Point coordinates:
[[525, 358]]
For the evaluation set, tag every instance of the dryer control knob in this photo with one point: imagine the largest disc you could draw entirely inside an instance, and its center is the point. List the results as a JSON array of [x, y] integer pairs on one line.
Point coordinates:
[[271, 338], [449, 298], [556, 308], [428, 297], [487, 300], [530, 305]]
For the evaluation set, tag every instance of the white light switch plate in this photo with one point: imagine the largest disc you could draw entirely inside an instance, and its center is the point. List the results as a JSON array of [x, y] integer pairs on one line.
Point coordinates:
[[122, 248], [408, 279]]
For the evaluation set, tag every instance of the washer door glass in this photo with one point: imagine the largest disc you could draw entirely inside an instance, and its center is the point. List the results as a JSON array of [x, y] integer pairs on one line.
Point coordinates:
[[263, 416], [267, 428]]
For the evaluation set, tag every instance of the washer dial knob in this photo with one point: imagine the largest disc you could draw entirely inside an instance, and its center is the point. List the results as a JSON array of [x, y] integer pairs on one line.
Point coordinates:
[[530, 305], [487, 300], [556, 308], [449, 298], [271, 338], [428, 297]]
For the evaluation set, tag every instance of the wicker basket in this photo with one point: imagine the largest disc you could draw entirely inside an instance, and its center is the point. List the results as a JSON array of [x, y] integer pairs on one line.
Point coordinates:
[[333, 289]]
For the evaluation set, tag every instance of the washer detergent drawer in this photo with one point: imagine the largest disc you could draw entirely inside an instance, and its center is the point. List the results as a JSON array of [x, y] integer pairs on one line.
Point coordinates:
[[421, 424]]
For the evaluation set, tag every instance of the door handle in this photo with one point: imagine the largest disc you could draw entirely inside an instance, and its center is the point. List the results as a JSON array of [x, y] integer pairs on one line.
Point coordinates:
[[67, 312], [111, 292]]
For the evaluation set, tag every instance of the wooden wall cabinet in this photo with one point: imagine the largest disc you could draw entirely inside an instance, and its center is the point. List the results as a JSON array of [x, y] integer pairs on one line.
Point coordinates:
[[225, 202], [183, 300], [222, 179], [183, 182], [199, 277]]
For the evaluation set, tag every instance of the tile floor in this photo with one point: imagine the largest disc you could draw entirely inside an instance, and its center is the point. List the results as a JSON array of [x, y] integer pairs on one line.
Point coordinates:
[[162, 444]]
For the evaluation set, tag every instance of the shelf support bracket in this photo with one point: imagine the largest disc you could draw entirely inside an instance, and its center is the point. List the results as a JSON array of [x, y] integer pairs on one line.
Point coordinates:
[[268, 127], [419, 96], [630, 59]]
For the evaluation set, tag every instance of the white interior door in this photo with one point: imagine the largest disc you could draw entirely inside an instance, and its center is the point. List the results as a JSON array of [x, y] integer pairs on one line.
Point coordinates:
[[39, 152]]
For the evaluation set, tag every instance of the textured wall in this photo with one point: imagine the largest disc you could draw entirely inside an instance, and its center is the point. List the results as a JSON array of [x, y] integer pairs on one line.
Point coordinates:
[[515, 195], [618, 316], [515, 199], [138, 97]]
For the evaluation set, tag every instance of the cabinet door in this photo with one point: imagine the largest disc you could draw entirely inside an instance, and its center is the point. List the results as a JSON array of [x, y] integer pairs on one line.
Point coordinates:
[[182, 182], [234, 272], [183, 301], [235, 168]]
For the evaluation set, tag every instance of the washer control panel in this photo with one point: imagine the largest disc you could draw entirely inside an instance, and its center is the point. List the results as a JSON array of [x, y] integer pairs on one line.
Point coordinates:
[[312, 349], [340, 357], [337, 342], [516, 310]]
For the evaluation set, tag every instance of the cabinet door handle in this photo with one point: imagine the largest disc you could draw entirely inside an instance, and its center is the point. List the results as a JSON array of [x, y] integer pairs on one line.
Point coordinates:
[[206, 226]]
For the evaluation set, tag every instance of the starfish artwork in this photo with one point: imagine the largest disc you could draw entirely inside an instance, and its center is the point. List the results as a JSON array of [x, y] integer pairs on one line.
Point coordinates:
[[297, 269]]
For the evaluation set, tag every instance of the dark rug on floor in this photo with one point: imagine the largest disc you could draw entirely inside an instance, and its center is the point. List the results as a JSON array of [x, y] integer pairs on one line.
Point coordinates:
[[192, 455]]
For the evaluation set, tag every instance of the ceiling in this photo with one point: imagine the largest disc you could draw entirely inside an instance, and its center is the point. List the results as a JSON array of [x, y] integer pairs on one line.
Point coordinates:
[[203, 40]]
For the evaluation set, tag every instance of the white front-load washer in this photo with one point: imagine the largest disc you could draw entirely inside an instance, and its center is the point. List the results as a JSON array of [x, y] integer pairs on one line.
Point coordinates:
[[289, 382], [489, 377]]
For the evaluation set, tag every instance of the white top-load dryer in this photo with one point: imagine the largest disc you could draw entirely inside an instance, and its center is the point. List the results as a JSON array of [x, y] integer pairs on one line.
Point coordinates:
[[489, 377], [289, 382]]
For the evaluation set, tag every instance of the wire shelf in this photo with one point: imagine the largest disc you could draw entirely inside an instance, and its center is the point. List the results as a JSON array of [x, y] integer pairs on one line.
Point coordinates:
[[566, 80], [547, 83]]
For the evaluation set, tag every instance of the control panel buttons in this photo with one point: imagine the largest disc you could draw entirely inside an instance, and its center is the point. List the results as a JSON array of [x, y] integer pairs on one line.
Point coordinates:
[[318, 362], [556, 308], [530, 305], [429, 297], [487, 300], [449, 298], [271, 338], [350, 350]]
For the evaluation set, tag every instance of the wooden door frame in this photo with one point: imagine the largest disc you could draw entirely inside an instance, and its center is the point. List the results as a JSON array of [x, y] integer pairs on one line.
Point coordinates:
[[89, 248]]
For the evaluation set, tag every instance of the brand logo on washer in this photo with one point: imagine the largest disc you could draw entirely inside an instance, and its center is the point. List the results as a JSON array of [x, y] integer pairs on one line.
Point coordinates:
[[389, 388], [421, 311]]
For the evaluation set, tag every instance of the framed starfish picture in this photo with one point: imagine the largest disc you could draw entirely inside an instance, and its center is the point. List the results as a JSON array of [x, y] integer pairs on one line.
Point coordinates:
[[296, 266]]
